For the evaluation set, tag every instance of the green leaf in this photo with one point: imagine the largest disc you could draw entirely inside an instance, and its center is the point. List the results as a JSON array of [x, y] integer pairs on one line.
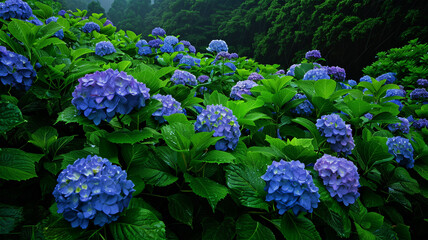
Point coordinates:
[[80, 52], [44, 137], [248, 229], [283, 96], [71, 157], [359, 107], [138, 223], [404, 182], [109, 150], [215, 231], [155, 172], [134, 153], [21, 31], [311, 127], [300, 70], [203, 140], [207, 188], [295, 228], [10, 116], [364, 234], [218, 157], [176, 118], [59, 144], [130, 137], [177, 136], [56, 227], [16, 165], [325, 88], [10, 216], [71, 115], [47, 11], [216, 98], [181, 208]]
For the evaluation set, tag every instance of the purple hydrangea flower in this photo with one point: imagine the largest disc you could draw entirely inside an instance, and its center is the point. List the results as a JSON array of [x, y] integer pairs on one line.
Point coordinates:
[[395, 92], [104, 48], [337, 73], [402, 150], [280, 72], [34, 20], [169, 106], [108, 22], [143, 47], [403, 126], [171, 40], [352, 83], [305, 108], [192, 49], [316, 74], [166, 48], [156, 43], [188, 62], [234, 55], [92, 189], [185, 43], [390, 77], [255, 77], [203, 78], [290, 71], [91, 26], [224, 124], [222, 54], [62, 13], [340, 177], [15, 70], [242, 87], [421, 123], [217, 46], [158, 32], [60, 33], [313, 54], [422, 82], [291, 186], [419, 93], [337, 133], [101, 95], [178, 57], [366, 78], [184, 78], [411, 119], [15, 9], [369, 116]]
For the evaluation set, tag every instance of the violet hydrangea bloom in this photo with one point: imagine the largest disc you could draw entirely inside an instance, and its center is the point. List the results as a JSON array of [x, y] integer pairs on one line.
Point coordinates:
[[280, 72], [143, 47], [369, 116], [255, 77], [62, 13], [188, 62], [156, 43], [422, 82], [242, 87], [234, 55], [291, 186], [403, 126], [224, 124], [420, 123], [419, 93], [158, 32], [91, 26], [179, 48], [203, 78], [395, 92], [314, 54], [34, 20], [104, 48], [340, 176], [15, 70], [108, 22], [305, 108], [169, 106], [352, 83], [184, 78], [167, 48], [192, 49], [217, 46], [92, 189], [222, 54], [337, 73], [402, 150], [290, 71], [390, 77], [366, 78], [171, 40], [15, 9], [185, 43], [101, 95], [316, 74], [338, 134]]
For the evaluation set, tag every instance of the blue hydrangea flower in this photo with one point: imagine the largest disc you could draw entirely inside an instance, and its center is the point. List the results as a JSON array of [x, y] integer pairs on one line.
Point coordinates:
[[171, 40], [156, 43], [390, 77], [402, 150], [158, 32], [369, 116], [179, 48], [352, 83], [192, 49], [224, 124], [184, 78], [92, 189], [189, 62], [314, 54], [395, 92], [411, 119], [366, 78], [62, 13], [101, 95], [143, 47], [104, 48], [422, 82], [217, 46], [291, 186], [185, 43], [108, 22], [340, 177], [397, 102], [403, 126], [290, 71], [203, 78], [255, 77], [60, 33], [280, 72], [178, 57], [203, 90], [231, 66], [169, 106], [338, 134], [166, 48], [419, 93], [316, 74], [91, 26], [15, 9], [337, 73], [15, 70], [344, 86], [421, 123], [234, 55], [305, 108], [34, 20], [221, 55], [242, 87]]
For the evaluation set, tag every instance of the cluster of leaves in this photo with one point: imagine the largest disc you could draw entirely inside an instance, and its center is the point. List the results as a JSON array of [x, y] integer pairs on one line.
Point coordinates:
[[185, 189]]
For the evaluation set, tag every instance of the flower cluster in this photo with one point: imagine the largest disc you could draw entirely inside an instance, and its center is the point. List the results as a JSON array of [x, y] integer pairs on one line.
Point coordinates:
[[422, 82], [369, 116], [158, 32], [224, 124], [421, 123], [221, 55], [92, 189], [15, 9], [290, 71], [101, 95], [169, 106], [316, 74], [143, 47], [242, 87], [171, 40], [234, 55], [91, 26], [337, 133], [395, 92], [34, 20], [340, 177], [255, 77], [352, 83], [419, 93], [104, 48], [366, 78], [217, 46], [402, 150], [108, 22], [155, 43], [305, 108], [403, 126], [390, 77], [60, 33], [337, 73], [344, 86], [189, 61], [280, 72], [203, 78], [166, 48], [184, 78], [291, 186], [62, 13], [15, 69], [314, 54]]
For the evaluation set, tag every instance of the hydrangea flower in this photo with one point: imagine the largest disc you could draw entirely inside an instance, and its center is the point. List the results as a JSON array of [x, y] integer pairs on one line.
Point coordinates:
[[395, 92], [222, 54], [291, 186], [403, 126], [337, 73], [422, 82], [224, 124], [185, 43], [419, 93], [203, 78], [179, 48], [290, 71], [231, 66], [390, 77], [352, 83], [62, 13], [171, 40], [369, 116], [15, 9], [411, 119], [280, 72], [316, 74], [242, 87], [340, 177], [192, 49], [337, 133], [234, 55], [92, 189], [101, 95], [108, 22], [178, 57], [421, 123], [255, 77], [402, 150], [156, 43], [60, 33], [183, 78], [166, 48], [397, 102], [158, 32], [34, 20], [366, 78], [169, 106], [104, 48], [305, 108], [15, 70], [143, 47], [344, 86], [189, 61], [217, 46], [91, 26], [313, 54]]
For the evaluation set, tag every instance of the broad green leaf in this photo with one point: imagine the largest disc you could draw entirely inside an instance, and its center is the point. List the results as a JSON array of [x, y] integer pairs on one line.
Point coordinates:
[[207, 188], [177, 136], [203, 140], [71, 157], [109, 150], [403, 231], [135, 153], [44, 137], [10, 116], [181, 208], [130, 137], [300, 70], [56, 227], [323, 106], [21, 31], [16, 165], [307, 87], [59, 144], [248, 229], [215, 231], [71, 115], [216, 99], [311, 127], [325, 88], [80, 52], [10, 216], [298, 228], [359, 107], [364, 234], [404, 182], [154, 172], [176, 118], [46, 10], [218, 157], [283, 96]]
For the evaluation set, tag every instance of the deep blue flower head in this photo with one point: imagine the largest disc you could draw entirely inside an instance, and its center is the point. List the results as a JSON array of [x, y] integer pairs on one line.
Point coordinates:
[[101, 95], [217, 46], [313, 54], [352, 83], [231, 66], [305, 108], [178, 57], [185, 43], [255, 77], [242, 87], [92, 189], [291, 186], [184, 78], [169, 106], [34, 20], [369, 116], [422, 82], [143, 47], [344, 86], [390, 77], [171, 40], [340, 177], [224, 124], [411, 119], [104, 48], [337, 73], [234, 55], [60, 33], [15, 9], [403, 126], [189, 61], [179, 48], [395, 92], [402, 150], [316, 74], [397, 102], [91, 26], [280, 72], [158, 32], [156, 43], [290, 71], [203, 78], [419, 93], [192, 49], [421, 123], [338, 134], [62, 13], [222, 54], [108, 22], [167, 48], [15, 70], [366, 78]]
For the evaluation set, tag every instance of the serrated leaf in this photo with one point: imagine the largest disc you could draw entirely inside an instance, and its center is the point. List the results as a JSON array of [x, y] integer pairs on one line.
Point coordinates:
[[207, 188], [10, 216], [298, 228], [181, 208], [16, 165], [215, 231], [71, 157], [218, 157], [248, 229], [44, 137], [155, 172], [311, 127], [10, 116], [130, 137], [71, 115]]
